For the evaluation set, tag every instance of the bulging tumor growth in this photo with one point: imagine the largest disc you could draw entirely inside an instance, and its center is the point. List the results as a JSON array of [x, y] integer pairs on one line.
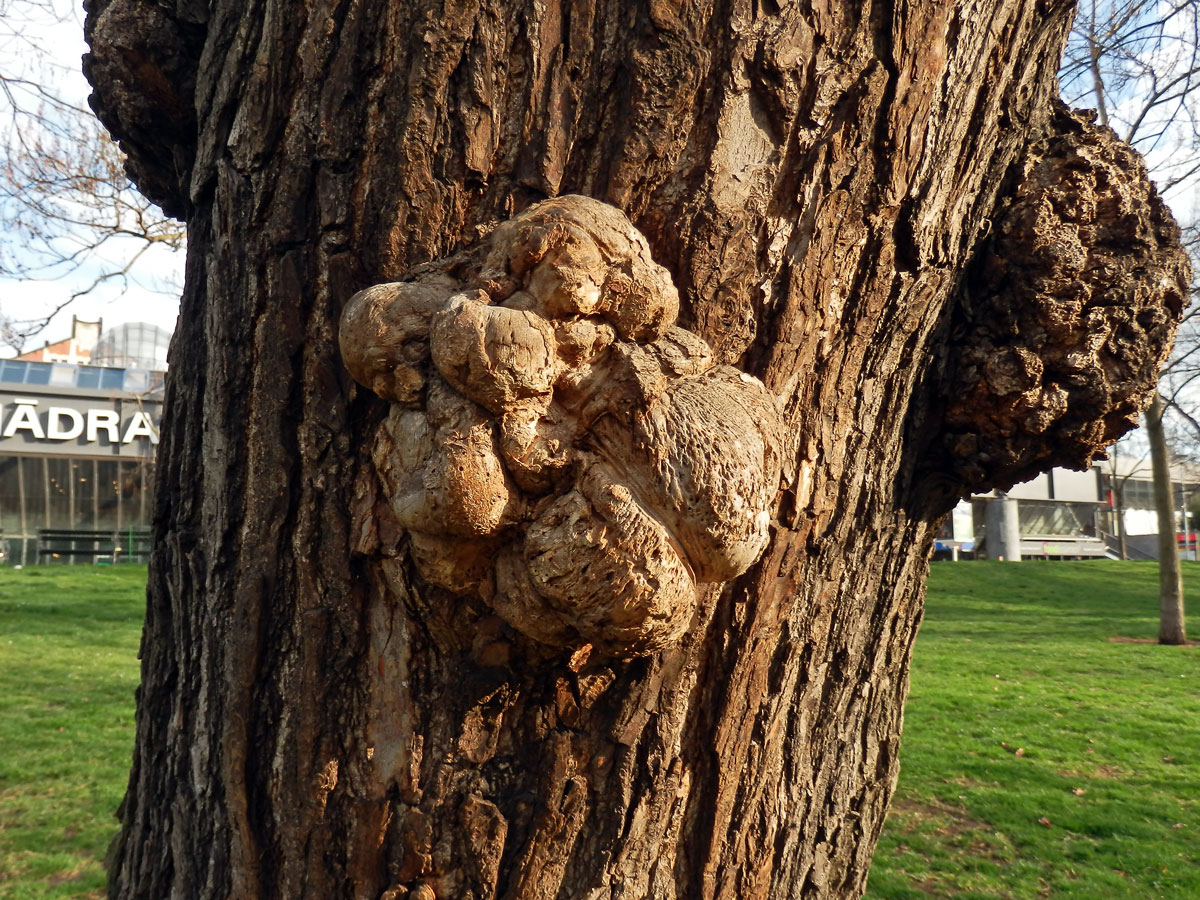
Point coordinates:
[[556, 445]]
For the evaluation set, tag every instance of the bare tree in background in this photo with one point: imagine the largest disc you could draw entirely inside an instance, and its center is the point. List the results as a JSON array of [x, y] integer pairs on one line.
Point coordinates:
[[1125, 460], [1180, 383], [1138, 63], [68, 213]]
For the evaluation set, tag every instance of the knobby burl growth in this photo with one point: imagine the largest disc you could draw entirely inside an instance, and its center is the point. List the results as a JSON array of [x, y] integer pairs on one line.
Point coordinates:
[[1068, 312], [556, 446]]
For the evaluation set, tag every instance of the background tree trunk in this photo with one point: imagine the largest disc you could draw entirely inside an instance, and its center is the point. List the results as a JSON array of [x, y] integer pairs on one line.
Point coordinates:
[[1171, 629], [815, 178], [1119, 492]]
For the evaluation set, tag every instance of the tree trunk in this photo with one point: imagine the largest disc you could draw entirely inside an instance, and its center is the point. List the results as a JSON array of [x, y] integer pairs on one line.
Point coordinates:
[[1171, 628], [315, 718], [1119, 492]]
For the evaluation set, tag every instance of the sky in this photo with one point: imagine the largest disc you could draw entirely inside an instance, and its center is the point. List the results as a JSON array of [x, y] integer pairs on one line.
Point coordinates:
[[151, 293]]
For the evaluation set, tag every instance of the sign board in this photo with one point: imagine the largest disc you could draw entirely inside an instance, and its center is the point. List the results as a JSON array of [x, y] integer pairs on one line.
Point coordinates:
[[1078, 487], [35, 420], [1037, 488]]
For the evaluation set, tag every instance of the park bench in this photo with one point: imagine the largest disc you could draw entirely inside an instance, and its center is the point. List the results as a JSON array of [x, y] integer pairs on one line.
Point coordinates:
[[102, 547]]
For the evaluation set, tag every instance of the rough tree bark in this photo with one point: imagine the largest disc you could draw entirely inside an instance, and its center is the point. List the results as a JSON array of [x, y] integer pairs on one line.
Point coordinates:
[[1171, 623], [945, 281]]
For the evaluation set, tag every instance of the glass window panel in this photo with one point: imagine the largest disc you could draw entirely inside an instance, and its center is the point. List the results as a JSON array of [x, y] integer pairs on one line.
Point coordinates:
[[1138, 494], [88, 377], [12, 370], [37, 500], [134, 345], [1050, 518], [112, 378], [18, 552], [10, 497], [85, 493], [149, 483], [38, 373], [107, 489], [61, 491], [131, 491], [138, 494], [136, 380]]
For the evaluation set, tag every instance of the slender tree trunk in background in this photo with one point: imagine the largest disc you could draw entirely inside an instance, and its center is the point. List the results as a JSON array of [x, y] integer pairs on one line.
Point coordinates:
[[1120, 496], [817, 179], [1171, 626]]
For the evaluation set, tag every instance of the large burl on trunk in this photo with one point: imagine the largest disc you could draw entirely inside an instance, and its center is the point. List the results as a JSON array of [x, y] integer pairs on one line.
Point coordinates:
[[589, 565]]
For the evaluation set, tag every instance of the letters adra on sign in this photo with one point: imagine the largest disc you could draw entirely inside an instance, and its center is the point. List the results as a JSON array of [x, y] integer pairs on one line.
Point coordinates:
[[30, 418]]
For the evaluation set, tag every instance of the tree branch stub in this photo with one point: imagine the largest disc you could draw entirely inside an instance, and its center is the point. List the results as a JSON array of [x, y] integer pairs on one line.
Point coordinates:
[[556, 446]]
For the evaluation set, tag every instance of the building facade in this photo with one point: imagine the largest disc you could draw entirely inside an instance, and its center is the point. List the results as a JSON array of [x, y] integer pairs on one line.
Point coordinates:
[[1057, 515], [1107, 510], [77, 349], [77, 446]]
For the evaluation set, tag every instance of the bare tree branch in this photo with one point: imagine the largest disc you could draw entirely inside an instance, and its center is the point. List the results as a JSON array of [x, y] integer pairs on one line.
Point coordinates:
[[67, 210]]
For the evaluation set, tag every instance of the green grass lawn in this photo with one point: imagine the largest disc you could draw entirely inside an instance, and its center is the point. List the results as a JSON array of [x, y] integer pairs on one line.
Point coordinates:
[[1040, 758], [68, 667]]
